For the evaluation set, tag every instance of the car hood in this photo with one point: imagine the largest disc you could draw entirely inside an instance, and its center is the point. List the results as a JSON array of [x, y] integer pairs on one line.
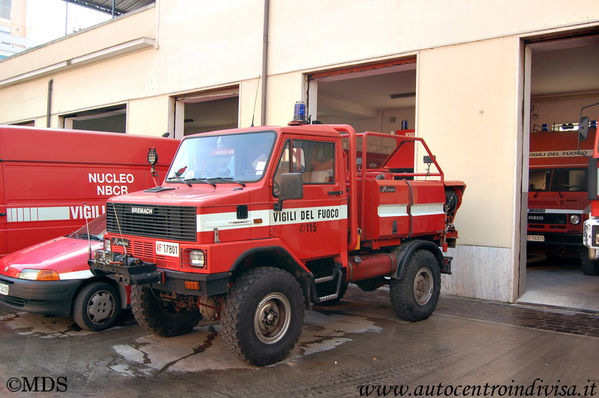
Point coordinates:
[[64, 255]]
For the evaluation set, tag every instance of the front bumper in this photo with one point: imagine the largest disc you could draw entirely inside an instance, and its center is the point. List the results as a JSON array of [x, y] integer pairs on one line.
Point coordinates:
[[553, 239], [42, 297], [129, 270]]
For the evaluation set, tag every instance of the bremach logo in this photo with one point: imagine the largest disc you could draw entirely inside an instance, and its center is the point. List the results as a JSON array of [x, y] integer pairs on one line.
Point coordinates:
[[142, 210]]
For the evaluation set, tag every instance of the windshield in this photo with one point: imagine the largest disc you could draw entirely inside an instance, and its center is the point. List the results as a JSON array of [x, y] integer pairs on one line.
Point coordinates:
[[97, 228], [213, 159], [558, 180]]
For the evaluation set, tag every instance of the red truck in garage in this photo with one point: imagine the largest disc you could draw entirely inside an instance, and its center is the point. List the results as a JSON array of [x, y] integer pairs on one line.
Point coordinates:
[[557, 196], [252, 226], [51, 182]]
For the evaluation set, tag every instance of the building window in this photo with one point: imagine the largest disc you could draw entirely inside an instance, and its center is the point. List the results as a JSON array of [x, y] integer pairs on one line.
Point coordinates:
[[112, 119], [5, 9]]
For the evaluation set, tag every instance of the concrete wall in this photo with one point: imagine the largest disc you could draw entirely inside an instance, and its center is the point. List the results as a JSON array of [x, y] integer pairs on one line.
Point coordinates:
[[470, 121]]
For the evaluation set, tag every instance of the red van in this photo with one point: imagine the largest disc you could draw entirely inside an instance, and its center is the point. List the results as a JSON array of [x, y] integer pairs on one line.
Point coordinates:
[[51, 181]]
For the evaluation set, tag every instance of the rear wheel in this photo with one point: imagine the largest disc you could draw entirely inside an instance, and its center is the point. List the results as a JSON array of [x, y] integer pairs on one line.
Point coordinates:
[[415, 296], [96, 306], [263, 315], [160, 317]]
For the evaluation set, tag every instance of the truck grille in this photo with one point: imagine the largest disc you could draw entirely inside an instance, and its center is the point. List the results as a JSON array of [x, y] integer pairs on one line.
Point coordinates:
[[165, 222], [547, 218]]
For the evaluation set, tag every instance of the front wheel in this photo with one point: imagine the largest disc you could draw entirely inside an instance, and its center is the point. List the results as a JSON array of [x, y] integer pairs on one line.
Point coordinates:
[[96, 306], [263, 315], [415, 296], [160, 317]]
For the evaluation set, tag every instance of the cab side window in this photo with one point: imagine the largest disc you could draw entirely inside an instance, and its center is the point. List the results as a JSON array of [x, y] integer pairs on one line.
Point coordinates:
[[315, 160]]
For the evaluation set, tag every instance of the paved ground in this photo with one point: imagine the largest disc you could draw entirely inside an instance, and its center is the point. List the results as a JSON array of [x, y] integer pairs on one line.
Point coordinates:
[[351, 350], [560, 282]]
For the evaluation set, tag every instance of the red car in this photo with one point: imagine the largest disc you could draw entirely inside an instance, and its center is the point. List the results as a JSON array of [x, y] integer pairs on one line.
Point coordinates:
[[53, 278]]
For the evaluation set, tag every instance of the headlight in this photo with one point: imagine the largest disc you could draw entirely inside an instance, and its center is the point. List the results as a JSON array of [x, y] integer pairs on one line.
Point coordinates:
[[39, 275], [107, 245], [575, 219], [197, 258]]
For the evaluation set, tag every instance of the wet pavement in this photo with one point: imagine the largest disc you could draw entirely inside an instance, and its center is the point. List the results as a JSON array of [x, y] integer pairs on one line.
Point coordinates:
[[356, 348]]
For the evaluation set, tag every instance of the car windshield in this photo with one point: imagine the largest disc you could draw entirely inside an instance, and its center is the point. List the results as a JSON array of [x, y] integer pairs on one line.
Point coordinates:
[[97, 228], [217, 159]]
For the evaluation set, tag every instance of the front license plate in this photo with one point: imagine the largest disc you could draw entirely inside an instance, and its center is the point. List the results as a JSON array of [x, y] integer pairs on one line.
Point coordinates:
[[535, 238], [167, 249], [3, 289]]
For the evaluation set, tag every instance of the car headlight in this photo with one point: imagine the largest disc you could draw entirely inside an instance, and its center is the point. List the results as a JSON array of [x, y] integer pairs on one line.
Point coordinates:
[[39, 275], [575, 219], [197, 258], [107, 245]]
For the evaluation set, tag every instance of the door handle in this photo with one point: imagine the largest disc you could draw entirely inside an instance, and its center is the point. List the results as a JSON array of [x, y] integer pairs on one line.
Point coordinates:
[[2, 214], [335, 192]]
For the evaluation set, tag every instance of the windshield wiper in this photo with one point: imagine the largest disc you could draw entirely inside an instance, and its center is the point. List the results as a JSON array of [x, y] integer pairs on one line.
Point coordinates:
[[225, 180], [189, 181]]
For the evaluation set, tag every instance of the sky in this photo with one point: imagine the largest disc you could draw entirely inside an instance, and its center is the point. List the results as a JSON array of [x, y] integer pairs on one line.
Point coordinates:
[[46, 19]]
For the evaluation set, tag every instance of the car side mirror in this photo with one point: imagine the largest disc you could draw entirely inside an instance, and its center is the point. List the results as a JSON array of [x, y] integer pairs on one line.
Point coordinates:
[[291, 187], [583, 128]]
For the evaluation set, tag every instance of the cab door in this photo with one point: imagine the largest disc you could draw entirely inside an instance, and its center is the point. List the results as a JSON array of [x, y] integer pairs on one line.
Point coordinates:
[[314, 226]]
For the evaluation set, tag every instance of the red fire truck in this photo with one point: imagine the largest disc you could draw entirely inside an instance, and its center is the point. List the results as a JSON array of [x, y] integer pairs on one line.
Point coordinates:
[[252, 226], [557, 195], [52, 180]]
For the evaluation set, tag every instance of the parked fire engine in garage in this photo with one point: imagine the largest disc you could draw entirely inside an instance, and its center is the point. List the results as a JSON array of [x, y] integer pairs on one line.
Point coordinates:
[[557, 195], [252, 226], [590, 261]]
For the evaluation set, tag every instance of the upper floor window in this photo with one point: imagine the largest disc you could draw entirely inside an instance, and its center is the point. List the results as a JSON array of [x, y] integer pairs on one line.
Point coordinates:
[[5, 9]]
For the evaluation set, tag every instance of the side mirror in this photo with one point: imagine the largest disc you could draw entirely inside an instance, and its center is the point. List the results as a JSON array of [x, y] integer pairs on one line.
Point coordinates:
[[292, 187], [583, 128]]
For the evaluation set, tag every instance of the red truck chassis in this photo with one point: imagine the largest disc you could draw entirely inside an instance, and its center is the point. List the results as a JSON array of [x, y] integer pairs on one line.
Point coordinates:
[[293, 215]]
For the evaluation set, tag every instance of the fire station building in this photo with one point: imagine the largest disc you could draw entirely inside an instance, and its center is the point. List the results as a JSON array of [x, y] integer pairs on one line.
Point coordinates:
[[473, 78]]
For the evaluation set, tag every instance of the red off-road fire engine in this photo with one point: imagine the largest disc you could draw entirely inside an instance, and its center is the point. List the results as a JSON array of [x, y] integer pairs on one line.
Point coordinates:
[[252, 226], [557, 196]]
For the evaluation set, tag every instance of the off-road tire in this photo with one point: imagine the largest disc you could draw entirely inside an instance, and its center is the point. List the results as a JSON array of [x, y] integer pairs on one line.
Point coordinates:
[[588, 265], [415, 296], [96, 306], [259, 296], [155, 316]]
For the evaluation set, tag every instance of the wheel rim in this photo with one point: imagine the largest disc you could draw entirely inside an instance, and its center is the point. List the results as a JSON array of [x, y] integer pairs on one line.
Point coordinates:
[[272, 318], [100, 307], [423, 286]]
